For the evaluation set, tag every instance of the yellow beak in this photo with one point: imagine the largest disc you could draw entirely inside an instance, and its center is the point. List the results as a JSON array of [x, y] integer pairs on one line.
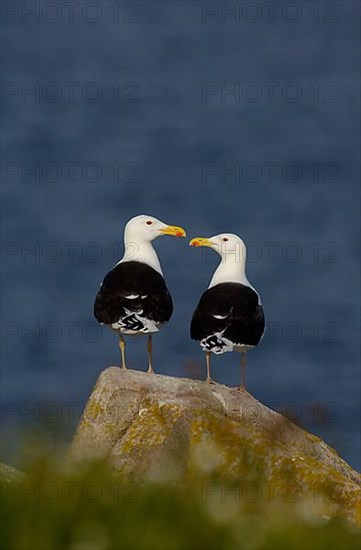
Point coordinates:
[[201, 241], [173, 230]]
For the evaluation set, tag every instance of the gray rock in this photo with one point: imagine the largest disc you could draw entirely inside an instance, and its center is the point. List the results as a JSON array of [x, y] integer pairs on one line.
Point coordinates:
[[8, 474], [162, 427]]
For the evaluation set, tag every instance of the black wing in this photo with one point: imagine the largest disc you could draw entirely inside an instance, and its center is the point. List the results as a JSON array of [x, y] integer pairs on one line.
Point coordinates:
[[133, 287], [231, 309]]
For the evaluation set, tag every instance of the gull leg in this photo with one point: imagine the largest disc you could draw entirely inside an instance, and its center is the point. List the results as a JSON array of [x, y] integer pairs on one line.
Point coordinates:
[[150, 348], [122, 350], [208, 361], [243, 371]]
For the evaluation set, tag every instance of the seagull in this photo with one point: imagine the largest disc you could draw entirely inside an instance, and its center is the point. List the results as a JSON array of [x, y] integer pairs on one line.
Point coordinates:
[[133, 297], [229, 316]]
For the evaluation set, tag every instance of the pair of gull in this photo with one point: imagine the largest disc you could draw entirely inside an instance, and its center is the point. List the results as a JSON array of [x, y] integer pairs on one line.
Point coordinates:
[[133, 297]]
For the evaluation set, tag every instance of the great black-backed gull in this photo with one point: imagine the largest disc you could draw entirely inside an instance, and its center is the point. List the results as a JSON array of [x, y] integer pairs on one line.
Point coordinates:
[[133, 297], [229, 315]]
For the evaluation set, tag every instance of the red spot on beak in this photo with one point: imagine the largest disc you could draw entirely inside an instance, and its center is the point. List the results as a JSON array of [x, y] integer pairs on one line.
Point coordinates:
[[179, 234], [195, 243]]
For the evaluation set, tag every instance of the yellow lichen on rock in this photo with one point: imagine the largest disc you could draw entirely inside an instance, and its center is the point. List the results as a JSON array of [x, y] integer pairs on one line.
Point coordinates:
[[165, 428]]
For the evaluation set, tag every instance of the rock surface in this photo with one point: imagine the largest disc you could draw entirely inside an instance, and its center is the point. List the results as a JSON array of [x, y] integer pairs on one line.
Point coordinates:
[[162, 427], [8, 474]]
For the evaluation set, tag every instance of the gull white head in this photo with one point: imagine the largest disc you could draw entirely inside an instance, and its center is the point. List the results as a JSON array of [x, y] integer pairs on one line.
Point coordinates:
[[144, 228], [232, 250], [139, 232]]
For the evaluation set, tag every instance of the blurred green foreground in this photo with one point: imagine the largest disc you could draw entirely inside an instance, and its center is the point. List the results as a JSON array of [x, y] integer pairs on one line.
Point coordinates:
[[90, 509]]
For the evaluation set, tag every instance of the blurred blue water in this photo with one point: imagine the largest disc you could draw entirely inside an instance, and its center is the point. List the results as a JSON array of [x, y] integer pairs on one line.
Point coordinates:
[[309, 289]]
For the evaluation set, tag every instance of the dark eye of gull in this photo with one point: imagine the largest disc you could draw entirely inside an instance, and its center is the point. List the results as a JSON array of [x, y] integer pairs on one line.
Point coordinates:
[[225, 239], [149, 222]]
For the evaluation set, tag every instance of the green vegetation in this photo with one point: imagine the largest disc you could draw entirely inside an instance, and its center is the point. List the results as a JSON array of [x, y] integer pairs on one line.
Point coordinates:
[[89, 508]]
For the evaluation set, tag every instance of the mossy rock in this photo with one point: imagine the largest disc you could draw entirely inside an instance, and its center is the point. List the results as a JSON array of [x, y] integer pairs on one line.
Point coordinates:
[[8, 474], [165, 428]]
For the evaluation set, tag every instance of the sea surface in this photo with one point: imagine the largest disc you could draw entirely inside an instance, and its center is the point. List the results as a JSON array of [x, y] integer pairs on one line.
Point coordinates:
[[217, 116]]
